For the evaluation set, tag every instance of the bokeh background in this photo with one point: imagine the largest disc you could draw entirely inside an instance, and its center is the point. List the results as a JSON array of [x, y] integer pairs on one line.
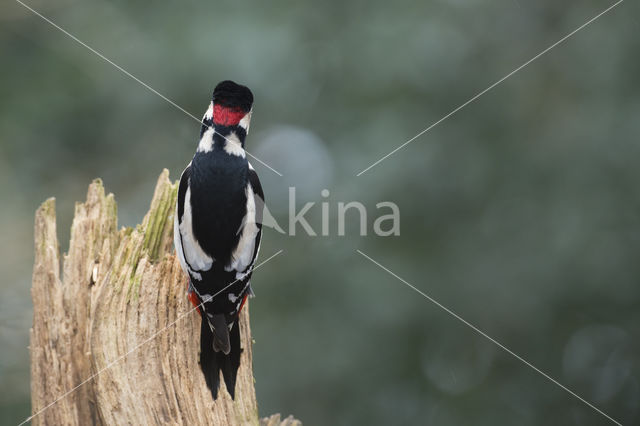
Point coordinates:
[[521, 212]]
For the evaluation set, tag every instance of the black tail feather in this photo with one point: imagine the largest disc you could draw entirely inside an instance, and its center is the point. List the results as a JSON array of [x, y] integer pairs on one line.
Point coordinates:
[[229, 364], [208, 363], [212, 362], [220, 333]]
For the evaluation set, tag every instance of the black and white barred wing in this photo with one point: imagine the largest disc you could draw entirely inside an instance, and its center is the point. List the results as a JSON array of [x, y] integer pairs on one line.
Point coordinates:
[[193, 258], [246, 253]]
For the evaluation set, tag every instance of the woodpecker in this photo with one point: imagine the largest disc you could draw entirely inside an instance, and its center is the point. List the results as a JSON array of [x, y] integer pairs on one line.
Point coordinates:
[[217, 230]]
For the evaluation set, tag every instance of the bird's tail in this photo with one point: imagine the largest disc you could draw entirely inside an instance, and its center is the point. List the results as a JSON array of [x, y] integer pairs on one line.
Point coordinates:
[[212, 361]]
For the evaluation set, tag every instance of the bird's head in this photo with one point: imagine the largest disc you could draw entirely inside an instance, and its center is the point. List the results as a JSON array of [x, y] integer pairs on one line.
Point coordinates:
[[230, 106]]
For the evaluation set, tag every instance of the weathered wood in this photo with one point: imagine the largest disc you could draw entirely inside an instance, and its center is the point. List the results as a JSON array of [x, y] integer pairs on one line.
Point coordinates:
[[119, 316], [274, 420]]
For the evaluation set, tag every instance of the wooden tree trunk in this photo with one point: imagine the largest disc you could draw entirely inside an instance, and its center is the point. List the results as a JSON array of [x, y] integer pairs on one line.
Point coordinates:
[[114, 339]]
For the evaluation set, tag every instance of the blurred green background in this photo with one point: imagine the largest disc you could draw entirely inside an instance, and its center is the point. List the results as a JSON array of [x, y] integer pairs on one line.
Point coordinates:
[[521, 212]]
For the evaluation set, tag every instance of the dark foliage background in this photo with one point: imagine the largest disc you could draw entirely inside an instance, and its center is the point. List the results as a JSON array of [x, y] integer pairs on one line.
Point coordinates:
[[521, 212]]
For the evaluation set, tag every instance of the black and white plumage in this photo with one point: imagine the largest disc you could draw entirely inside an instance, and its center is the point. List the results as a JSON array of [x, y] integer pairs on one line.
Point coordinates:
[[217, 230]]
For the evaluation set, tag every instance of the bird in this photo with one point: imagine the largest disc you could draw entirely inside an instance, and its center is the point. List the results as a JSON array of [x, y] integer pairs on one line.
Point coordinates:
[[218, 229]]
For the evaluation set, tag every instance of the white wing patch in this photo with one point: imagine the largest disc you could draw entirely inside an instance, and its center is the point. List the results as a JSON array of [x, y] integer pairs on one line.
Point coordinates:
[[193, 253], [242, 256]]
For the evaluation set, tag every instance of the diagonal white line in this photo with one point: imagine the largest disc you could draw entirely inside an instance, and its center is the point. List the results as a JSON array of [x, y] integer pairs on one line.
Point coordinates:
[[563, 39], [135, 348], [76, 39], [259, 160], [128, 74], [485, 335]]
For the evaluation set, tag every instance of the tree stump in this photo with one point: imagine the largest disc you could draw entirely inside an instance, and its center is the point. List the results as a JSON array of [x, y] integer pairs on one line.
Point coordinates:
[[114, 339]]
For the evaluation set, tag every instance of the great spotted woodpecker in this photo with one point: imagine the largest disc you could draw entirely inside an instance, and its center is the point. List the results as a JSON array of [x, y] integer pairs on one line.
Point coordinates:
[[217, 230]]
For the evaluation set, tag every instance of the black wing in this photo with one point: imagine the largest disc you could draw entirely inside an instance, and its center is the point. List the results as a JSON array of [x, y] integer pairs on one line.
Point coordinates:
[[243, 272], [193, 259], [260, 204]]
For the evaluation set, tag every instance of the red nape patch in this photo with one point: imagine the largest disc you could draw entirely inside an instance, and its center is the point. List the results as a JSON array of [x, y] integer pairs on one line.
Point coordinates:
[[194, 300], [227, 116]]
